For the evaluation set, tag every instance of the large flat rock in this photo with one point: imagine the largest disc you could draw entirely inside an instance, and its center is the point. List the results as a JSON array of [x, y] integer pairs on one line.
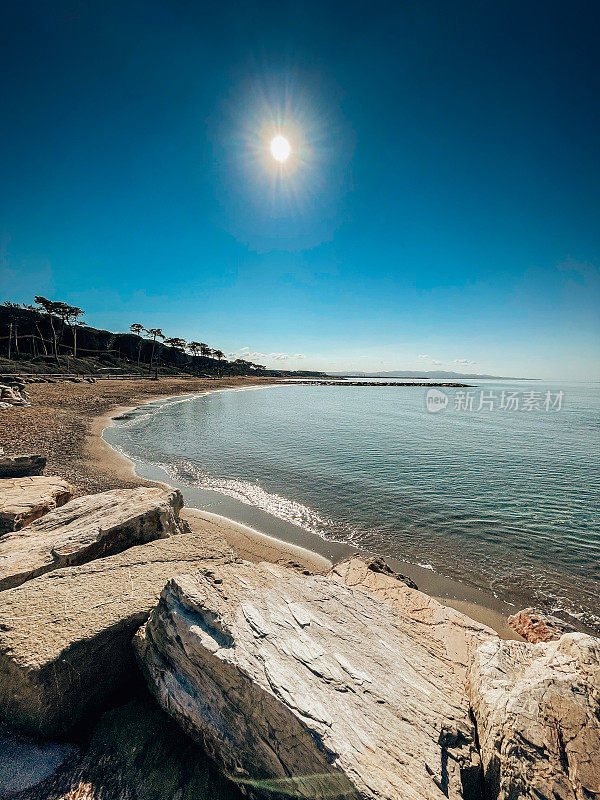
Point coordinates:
[[89, 527], [23, 500], [538, 717], [300, 686], [65, 637]]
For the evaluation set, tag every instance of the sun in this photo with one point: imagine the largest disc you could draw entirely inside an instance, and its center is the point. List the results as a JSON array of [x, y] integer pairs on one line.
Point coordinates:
[[280, 148]]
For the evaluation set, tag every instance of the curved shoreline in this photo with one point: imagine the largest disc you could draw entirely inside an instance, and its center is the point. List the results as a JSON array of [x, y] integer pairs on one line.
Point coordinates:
[[292, 542], [120, 464]]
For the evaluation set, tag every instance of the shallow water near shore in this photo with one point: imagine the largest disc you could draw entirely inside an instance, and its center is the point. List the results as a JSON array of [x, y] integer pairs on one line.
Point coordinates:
[[504, 500]]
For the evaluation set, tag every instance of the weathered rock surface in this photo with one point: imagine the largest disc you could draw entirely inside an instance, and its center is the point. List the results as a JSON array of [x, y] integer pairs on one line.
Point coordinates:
[[23, 500], [65, 637], [537, 709], [89, 527], [440, 627], [19, 466], [536, 626], [137, 752], [301, 686], [379, 565]]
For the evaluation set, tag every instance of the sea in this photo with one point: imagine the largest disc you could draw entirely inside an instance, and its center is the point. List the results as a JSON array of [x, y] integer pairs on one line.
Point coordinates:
[[496, 485]]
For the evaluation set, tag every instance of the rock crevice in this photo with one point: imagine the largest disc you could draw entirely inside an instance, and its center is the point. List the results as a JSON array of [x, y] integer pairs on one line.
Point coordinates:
[[65, 637]]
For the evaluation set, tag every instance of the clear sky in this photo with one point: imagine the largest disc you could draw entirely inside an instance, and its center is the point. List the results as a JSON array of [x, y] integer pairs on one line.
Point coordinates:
[[441, 208]]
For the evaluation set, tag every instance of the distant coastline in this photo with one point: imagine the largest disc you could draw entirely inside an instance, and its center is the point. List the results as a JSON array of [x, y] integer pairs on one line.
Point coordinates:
[[428, 374]]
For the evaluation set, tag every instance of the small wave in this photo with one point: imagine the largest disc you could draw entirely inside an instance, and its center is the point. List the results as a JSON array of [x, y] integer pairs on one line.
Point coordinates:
[[252, 494], [131, 419]]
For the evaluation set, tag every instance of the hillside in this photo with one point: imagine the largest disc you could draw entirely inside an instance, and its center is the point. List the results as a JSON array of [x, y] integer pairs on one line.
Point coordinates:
[[32, 341]]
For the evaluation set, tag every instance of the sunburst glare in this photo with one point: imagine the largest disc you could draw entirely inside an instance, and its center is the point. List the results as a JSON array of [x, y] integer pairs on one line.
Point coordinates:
[[280, 148], [283, 153]]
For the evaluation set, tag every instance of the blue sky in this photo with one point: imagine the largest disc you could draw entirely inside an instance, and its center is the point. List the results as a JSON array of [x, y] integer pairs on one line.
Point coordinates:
[[442, 211]]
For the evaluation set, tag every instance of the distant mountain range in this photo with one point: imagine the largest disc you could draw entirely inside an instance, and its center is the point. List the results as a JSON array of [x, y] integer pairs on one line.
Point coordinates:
[[432, 374]]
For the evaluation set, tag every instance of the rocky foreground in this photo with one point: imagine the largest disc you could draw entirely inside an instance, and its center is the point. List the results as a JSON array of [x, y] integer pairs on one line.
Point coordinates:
[[267, 682]]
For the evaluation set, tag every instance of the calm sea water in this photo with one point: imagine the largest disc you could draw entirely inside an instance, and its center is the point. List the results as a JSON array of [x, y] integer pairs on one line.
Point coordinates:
[[505, 499]]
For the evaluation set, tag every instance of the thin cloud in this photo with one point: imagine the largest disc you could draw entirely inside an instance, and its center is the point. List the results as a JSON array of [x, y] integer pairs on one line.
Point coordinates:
[[245, 353], [463, 361], [253, 355]]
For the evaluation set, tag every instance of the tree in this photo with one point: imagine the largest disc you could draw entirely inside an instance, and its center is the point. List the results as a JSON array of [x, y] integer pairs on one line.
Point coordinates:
[[197, 348], [70, 315], [62, 311], [51, 310], [13, 326], [36, 318], [219, 355], [205, 350], [155, 333], [194, 347], [137, 329], [176, 343]]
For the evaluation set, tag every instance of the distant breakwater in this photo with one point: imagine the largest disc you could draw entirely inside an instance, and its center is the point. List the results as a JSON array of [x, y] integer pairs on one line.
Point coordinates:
[[381, 383]]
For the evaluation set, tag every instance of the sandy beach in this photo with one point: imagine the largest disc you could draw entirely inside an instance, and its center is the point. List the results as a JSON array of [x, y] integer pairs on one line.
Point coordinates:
[[65, 423]]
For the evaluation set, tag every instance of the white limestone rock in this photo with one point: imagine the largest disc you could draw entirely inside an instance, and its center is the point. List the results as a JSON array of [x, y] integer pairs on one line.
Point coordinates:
[[89, 527], [537, 709], [301, 686], [65, 637]]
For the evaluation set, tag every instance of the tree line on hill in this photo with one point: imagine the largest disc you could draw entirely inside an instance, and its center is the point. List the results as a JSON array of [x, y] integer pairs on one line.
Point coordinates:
[[51, 333]]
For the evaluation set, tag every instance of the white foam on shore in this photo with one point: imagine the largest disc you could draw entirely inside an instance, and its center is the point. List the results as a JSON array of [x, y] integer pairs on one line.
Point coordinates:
[[251, 494]]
